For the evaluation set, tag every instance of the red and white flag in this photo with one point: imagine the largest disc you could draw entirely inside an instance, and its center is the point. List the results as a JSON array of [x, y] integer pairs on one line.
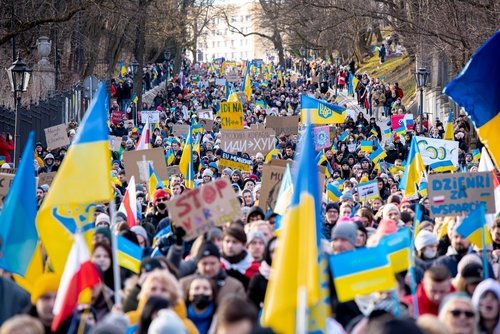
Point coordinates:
[[486, 165], [79, 274], [143, 143], [129, 203]]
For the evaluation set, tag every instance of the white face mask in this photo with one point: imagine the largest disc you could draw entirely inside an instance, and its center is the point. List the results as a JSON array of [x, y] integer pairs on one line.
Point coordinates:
[[430, 253]]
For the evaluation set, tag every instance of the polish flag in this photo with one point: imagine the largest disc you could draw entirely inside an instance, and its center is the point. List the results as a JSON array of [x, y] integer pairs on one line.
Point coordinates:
[[79, 274], [129, 204], [143, 143], [486, 165]]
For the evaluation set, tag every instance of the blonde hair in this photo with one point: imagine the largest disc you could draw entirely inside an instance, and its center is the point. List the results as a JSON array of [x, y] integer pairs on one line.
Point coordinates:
[[168, 280], [22, 324], [448, 302]]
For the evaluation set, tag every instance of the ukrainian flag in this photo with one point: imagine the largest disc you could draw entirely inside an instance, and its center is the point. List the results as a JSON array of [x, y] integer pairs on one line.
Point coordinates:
[[129, 254], [280, 78], [154, 181], [320, 159], [333, 193], [299, 266], [368, 271], [387, 133], [169, 157], [321, 112], [247, 84], [123, 69], [186, 164], [422, 188], [443, 166], [273, 154], [83, 178], [448, 134], [413, 172], [262, 104], [476, 154], [378, 155], [473, 226], [367, 145], [476, 89], [374, 132], [400, 131], [398, 249], [343, 136]]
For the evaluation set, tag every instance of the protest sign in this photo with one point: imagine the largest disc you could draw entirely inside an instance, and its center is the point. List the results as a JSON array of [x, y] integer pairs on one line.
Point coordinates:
[[46, 178], [249, 141], [460, 193], [288, 125], [321, 137], [437, 150], [409, 121], [368, 190], [171, 170], [232, 76], [235, 162], [136, 163], [231, 115], [205, 114], [8, 170], [397, 121], [180, 130], [197, 210], [208, 124], [220, 82], [116, 116], [56, 136], [152, 115], [5, 183], [115, 143]]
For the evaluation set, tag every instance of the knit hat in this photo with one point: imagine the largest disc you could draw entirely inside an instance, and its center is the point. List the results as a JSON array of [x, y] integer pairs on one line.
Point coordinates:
[[330, 206], [425, 238], [214, 233], [227, 171], [207, 172], [346, 231], [102, 218], [236, 233], [49, 156], [207, 249], [139, 230], [386, 227], [160, 193], [256, 235], [167, 322], [48, 282], [388, 208], [105, 231], [346, 197], [45, 187]]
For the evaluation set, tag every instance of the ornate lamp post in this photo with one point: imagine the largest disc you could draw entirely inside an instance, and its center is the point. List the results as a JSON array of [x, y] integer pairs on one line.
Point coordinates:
[[421, 78]]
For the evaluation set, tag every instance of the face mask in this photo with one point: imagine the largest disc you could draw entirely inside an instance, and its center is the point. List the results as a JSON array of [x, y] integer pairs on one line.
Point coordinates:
[[201, 301], [430, 253], [161, 206]]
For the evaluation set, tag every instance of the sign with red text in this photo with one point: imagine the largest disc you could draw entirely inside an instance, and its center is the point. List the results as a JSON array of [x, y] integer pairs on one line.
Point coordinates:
[[197, 210]]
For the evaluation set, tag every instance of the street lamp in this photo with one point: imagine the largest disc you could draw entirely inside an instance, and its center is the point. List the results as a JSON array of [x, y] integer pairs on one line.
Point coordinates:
[[337, 61], [421, 78], [134, 66], [19, 76]]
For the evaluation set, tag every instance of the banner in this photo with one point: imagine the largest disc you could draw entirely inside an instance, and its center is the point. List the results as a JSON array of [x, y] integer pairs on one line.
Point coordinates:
[[248, 141], [56, 136], [152, 115], [136, 163], [197, 210], [460, 193], [321, 137], [288, 125], [436, 151], [235, 162], [231, 115], [368, 191]]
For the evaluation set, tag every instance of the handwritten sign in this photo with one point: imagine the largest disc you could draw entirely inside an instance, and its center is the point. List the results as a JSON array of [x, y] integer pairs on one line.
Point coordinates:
[[205, 114], [288, 125], [436, 151], [235, 162], [249, 141], [232, 76], [208, 124], [5, 183], [46, 178], [368, 190], [460, 193], [136, 163], [231, 115], [152, 115], [220, 82], [180, 130], [115, 143], [197, 210], [56, 136]]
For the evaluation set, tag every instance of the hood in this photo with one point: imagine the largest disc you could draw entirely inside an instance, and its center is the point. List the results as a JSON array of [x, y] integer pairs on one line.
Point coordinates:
[[483, 287]]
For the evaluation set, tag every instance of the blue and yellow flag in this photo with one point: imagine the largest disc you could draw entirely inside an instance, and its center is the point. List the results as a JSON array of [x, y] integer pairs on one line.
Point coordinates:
[[84, 178], [387, 133], [476, 154], [321, 160], [443, 166], [400, 131], [186, 164], [169, 157], [129, 254], [368, 271], [321, 112], [333, 193], [476, 89], [366, 145], [154, 181], [123, 69], [473, 226], [247, 84], [17, 230], [273, 154], [423, 188], [343, 136], [398, 249], [413, 172], [374, 132], [378, 154], [448, 133], [299, 264]]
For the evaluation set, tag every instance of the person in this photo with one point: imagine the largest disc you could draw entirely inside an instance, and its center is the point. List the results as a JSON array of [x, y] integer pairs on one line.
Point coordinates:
[[201, 303], [459, 247], [167, 322], [43, 297], [256, 244], [486, 299], [426, 246], [7, 146], [458, 314], [344, 237], [158, 208], [22, 324], [381, 53], [236, 316], [331, 218], [258, 283], [102, 257], [153, 306]]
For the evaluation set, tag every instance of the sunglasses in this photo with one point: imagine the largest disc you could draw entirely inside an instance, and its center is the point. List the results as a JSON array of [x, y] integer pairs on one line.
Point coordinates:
[[162, 199], [457, 313]]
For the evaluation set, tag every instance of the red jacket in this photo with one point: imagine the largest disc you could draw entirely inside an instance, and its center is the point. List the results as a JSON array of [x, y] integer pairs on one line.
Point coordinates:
[[5, 148], [425, 306]]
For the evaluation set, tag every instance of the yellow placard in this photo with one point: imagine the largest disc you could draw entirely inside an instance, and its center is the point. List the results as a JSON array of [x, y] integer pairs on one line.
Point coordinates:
[[231, 114]]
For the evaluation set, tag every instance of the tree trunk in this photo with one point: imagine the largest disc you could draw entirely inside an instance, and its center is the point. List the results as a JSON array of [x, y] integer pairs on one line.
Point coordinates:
[[140, 44]]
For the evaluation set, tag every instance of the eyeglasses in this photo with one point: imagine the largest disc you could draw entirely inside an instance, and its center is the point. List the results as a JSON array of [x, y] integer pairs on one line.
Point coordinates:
[[457, 313]]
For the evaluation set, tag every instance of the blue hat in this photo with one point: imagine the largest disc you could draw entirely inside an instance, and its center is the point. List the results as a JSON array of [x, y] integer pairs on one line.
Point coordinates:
[[213, 165]]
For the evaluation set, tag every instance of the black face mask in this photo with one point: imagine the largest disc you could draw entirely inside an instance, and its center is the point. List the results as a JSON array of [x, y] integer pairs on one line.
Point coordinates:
[[201, 301], [161, 206]]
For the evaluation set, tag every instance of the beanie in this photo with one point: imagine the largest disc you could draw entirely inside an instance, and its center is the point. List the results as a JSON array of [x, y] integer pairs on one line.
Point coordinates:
[[236, 233], [208, 172], [160, 193], [388, 208], [48, 282], [253, 235], [425, 238], [105, 231], [346, 231], [139, 230], [207, 249], [102, 218], [330, 206], [386, 227], [227, 171]]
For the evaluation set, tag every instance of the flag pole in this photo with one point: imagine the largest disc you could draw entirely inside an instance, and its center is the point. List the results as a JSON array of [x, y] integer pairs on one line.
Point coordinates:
[[114, 249], [301, 324], [483, 241]]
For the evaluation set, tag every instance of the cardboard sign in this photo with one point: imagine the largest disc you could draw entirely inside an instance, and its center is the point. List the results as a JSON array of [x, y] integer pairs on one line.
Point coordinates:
[[220, 82], [288, 125], [231, 115], [208, 124], [8, 170], [116, 116], [235, 162], [152, 115], [460, 193], [5, 183], [180, 130], [397, 121], [321, 137], [115, 143], [46, 178], [272, 174], [56, 136], [248, 141], [232, 76], [197, 210], [434, 151], [368, 191], [136, 163], [206, 114]]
